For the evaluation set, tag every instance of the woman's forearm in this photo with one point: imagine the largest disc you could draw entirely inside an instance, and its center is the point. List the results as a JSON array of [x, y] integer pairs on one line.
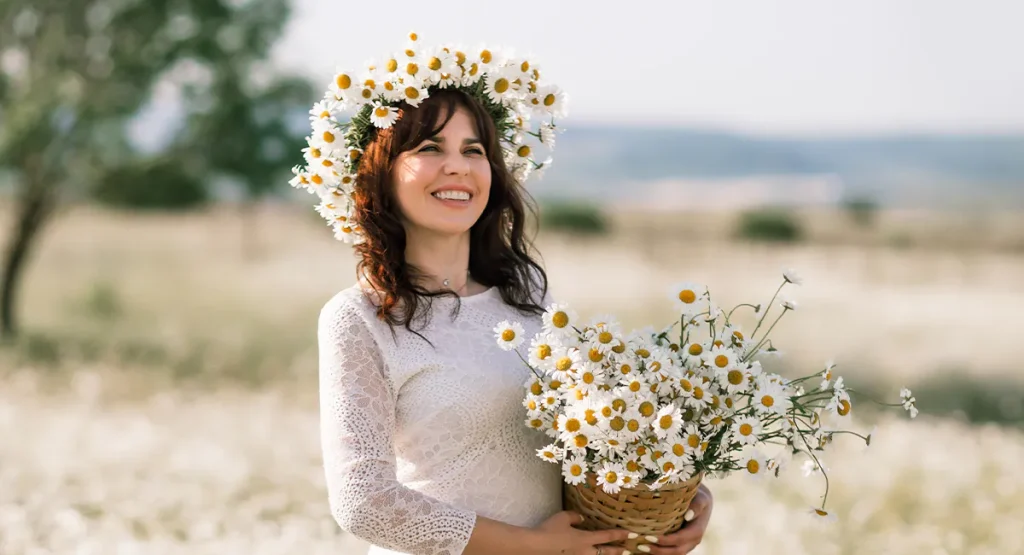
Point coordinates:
[[491, 537]]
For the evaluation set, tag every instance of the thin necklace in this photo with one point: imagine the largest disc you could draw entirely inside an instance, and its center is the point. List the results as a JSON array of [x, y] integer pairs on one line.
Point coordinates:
[[447, 282]]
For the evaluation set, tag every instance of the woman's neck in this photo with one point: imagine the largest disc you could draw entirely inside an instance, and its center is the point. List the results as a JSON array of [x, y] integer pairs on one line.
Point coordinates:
[[442, 260]]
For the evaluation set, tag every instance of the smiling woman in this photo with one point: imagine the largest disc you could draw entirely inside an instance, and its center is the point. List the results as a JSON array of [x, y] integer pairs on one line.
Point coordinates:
[[439, 175]]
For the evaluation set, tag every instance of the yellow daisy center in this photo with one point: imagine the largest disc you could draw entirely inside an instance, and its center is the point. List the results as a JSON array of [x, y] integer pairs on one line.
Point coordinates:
[[536, 423], [611, 477], [549, 100], [501, 85], [668, 467], [590, 416], [328, 137], [588, 378], [412, 93], [524, 67], [632, 466], [555, 384], [643, 353], [625, 369], [721, 361], [619, 405], [434, 63], [563, 364], [746, 429], [633, 425], [381, 112], [768, 400], [325, 114], [580, 441], [678, 450], [647, 408], [665, 422], [560, 319], [595, 355], [572, 425], [508, 335], [412, 69], [753, 466], [617, 423], [634, 386], [693, 441], [317, 179], [687, 296], [532, 405], [686, 385], [604, 337], [460, 57], [735, 377], [844, 407], [619, 348], [543, 351], [343, 81], [486, 56], [576, 470]]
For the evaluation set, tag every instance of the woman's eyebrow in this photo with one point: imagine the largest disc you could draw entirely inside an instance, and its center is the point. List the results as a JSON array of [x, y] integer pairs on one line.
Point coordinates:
[[467, 141]]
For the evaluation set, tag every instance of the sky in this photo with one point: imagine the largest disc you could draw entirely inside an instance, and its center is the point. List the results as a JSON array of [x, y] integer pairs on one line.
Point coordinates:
[[773, 67]]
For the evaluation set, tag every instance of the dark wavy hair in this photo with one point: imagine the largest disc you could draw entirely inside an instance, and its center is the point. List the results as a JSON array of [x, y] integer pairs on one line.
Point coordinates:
[[500, 253]]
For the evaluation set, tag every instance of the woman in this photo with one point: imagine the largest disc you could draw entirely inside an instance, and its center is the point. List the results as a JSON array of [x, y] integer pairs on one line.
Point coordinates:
[[424, 445]]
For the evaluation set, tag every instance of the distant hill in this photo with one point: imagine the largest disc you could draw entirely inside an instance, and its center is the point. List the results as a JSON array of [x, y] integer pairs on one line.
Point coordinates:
[[610, 163]]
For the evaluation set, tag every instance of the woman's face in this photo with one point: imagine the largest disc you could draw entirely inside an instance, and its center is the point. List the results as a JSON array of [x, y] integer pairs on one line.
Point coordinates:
[[442, 184]]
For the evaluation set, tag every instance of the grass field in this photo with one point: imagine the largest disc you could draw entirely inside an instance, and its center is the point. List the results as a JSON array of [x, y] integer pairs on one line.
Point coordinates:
[[162, 398]]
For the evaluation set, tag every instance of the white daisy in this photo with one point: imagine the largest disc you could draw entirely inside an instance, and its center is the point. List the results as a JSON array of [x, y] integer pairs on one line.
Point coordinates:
[[344, 87], [413, 93], [746, 429], [574, 469], [755, 464], [590, 377], [499, 88], [733, 378], [770, 398], [551, 453], [733, 335], [693, 440], [559, 319], [712, 422], [348, 232], [542, 347], [826, 376], [547, 135], [609, 477], [327, 108], [667, 422], [634, 425], [839, 405], [787, 303], [550, 99], [792, 277], [383, 116], [909, 402], [509, 335], [690, 298], [721, 358]]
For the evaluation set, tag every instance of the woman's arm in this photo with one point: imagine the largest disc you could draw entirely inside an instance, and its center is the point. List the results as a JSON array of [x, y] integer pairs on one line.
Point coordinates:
[[357, 423]]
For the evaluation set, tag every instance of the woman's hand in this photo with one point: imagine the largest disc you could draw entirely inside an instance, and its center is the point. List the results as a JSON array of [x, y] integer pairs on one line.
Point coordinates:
[[687, 539], [558, 536]]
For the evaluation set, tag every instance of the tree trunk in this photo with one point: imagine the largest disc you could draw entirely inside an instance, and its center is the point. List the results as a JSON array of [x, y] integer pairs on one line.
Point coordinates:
[[34, 207]]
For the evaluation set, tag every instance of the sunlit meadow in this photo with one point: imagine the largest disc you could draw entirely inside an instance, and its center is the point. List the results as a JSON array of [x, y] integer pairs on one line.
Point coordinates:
[[163, 397]]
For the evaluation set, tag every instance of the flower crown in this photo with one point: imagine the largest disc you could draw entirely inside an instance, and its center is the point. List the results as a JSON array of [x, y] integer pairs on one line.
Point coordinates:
[[509, 87]]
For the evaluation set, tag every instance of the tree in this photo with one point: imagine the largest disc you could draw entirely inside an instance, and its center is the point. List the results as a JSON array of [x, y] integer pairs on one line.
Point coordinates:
[[74, 73]]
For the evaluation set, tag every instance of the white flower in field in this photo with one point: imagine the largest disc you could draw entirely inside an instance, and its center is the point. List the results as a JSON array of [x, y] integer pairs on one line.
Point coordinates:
[[839, 405], [755, 464], [574, 469], [787, 303], [552, 453], [541, 421], [667, 422], [609, 477], [909, 402], [499, 86], [692, 353], [559, 319], [822, 516], [589, 379], [693, 440], [634, 425], [826, 376], [746, 430], [509, 334], [712, 422], [690, 298], [733, 378], [791, 276]]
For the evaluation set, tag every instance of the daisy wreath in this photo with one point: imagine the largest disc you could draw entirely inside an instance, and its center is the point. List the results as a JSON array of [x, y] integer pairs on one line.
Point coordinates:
[[509, 87]]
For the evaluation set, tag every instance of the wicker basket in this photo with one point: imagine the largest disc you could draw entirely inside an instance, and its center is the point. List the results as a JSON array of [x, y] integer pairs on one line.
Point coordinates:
[[636, 509]]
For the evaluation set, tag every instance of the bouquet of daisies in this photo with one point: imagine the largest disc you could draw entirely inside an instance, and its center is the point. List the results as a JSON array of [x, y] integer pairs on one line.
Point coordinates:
[[646, 412]]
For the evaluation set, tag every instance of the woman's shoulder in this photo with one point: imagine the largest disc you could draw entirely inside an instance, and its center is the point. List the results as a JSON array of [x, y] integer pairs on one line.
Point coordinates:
[[351, 304]]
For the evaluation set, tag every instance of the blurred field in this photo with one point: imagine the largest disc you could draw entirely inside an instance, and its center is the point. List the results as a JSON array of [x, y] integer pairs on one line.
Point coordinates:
[[162, 399]]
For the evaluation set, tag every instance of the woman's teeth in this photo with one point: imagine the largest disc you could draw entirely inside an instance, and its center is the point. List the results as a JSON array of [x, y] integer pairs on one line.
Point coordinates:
[[452, 195]]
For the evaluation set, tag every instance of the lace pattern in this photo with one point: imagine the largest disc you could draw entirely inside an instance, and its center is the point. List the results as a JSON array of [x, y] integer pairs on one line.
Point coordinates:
[[419, 440]]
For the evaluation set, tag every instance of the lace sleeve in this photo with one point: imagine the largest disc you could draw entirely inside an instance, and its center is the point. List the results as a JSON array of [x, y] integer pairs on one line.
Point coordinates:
[[357, 422]]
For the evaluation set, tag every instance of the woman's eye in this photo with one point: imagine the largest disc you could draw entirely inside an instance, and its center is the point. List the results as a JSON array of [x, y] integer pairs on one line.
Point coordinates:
[[430, 148], [475, 151]]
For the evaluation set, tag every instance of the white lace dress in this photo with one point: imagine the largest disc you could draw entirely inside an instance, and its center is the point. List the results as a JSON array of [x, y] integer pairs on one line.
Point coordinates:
[[419, 440]]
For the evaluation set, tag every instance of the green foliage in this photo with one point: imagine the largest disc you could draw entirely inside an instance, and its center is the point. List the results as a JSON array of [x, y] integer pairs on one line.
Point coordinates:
[[160, 184], [771, 225], [862, 210], [574, 218]]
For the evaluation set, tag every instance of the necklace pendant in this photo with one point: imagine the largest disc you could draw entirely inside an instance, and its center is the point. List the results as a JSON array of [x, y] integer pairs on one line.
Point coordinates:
[[445, 283]]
